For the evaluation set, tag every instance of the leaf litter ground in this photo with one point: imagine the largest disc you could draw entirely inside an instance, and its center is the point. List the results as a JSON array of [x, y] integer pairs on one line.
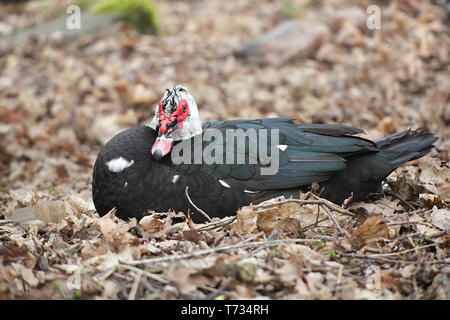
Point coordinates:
[[60, 101]]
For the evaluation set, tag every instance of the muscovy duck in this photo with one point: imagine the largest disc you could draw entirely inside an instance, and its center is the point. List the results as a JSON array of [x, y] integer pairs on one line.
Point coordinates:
[[136, 170]]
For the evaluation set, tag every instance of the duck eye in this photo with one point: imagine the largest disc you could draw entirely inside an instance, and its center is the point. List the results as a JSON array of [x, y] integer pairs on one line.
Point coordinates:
[[183, 107]]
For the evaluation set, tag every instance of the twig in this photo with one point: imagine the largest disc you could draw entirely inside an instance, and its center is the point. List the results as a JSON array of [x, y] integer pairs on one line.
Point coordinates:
[[401, 252], [135, 286], [273, 236], [6, 221], [215, 292], [107, 273], [124, 265], [369, 257], [327, 237], [197, 208], [151, 289], [309, 226], [412, 222], [339, 277], [321, 201], [342, 231], [416, 234], [392, 194], [198, 253], [217, 224]]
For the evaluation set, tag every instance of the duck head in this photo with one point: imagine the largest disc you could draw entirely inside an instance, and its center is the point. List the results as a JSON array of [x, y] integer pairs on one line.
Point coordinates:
[[176, 118]]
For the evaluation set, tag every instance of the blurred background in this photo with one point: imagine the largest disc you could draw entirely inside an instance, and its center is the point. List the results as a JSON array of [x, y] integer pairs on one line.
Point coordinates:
[[73, 74]]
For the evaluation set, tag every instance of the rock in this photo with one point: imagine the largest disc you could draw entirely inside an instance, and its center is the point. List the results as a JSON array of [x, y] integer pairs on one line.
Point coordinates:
[[289, 40]]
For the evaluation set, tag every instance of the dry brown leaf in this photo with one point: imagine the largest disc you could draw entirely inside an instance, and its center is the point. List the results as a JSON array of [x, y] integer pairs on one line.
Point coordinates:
[[387, 281], [53, 119], [441, 218], [245, 221], [291, 270], [430, 200], [433, 174], [26, 274], [180, 278], [371, 230], [287, 217], [192, 235], [153, 225], [444, 191], [244, 292], [115, 234], [382, 207], [90, 251], [9, 251]]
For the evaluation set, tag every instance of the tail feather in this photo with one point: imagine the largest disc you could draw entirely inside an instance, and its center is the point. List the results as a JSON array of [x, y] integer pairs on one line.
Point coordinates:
[[364, 172], [405, 146]]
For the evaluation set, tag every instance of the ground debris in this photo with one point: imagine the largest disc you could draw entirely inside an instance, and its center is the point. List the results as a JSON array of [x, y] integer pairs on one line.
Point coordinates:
[[60, 102]]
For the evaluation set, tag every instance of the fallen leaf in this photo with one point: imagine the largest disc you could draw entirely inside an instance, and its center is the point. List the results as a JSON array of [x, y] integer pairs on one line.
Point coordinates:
[[114, 233], [444, 191], [192, 235], [26, 274], [153, 225], [371, 230], [290, 271], [440, 218]]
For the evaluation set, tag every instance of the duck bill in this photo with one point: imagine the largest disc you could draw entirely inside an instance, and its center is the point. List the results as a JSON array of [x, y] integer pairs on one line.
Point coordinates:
[[161, 147]]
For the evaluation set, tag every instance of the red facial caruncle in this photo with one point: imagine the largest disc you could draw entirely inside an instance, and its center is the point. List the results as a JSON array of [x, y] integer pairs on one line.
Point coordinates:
[[164, 141], [180, 114]]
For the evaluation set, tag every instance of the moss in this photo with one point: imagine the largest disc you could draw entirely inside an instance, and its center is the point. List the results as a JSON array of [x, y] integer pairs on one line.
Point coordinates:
[[141, 14]]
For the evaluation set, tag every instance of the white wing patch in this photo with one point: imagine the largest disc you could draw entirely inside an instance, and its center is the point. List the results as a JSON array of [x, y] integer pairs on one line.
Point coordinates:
[[249, 191], [223, 183], [119, 164], [282, 147], [175, 178]]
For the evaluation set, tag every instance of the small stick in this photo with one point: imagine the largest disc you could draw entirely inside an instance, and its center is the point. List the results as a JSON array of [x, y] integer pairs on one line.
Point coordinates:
[[342, 231], [401, 252], [218, 249], [392, 194], [370, 257], [135, 286], [6, 221], [219, 224], [151, 289], [321, 201], [124, 265], [412, 222], [198, 209], [417, 234], [106, 275], [339, 277], [315, 224]]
